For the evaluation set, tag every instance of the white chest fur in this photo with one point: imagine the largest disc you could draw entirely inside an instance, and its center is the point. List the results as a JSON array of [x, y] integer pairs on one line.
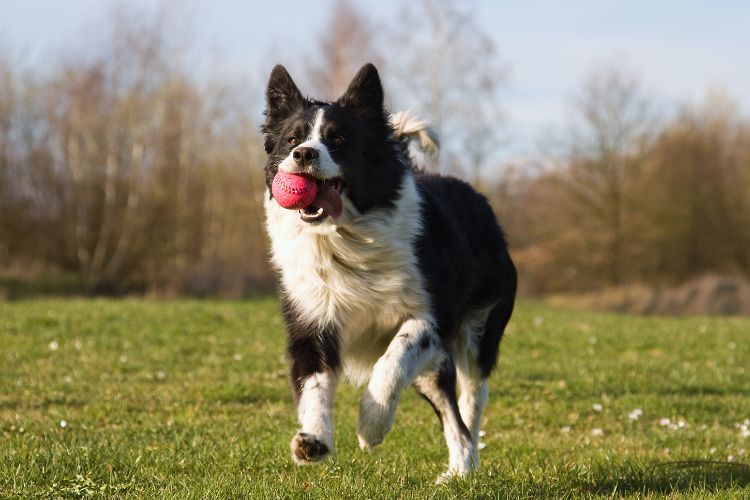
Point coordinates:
[[359, 274]]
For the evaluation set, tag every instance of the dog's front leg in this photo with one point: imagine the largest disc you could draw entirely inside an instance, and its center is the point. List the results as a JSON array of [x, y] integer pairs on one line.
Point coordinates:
[[314, 377], [415, 348]]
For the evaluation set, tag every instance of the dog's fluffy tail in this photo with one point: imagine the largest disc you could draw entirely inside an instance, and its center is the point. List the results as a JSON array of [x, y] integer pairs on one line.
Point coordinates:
[[411, 129]]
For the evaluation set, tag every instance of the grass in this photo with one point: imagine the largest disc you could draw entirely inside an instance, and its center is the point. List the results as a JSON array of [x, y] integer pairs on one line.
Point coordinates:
[[190, 399]]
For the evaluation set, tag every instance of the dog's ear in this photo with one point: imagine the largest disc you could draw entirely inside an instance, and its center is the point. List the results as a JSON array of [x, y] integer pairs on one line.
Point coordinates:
[[365, 90], [282, 94]]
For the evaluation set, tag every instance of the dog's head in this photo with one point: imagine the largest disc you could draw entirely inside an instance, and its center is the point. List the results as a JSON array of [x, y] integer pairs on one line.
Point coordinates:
[[347, 146]]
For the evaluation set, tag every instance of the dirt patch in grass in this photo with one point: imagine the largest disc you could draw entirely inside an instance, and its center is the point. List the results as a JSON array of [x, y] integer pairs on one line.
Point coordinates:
[[709, 295]]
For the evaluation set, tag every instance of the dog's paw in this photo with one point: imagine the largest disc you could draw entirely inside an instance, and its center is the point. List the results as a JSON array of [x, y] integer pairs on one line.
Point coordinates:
[[307, 449], [375, 419], [449, 476], [459, 469]]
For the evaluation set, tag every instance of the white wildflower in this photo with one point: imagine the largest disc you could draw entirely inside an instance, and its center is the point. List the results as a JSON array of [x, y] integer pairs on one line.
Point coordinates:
[[635, 414], [597, 407], [597, 432], [63, 423], [53, 346], [565, 429], [237, 357], [664, 422]]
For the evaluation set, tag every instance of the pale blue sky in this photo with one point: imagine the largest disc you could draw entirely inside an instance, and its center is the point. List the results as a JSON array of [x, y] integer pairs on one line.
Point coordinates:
[[677, 48]]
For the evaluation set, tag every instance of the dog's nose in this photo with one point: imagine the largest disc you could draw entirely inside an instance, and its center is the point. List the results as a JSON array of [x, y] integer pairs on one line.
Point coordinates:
[[303, 156]]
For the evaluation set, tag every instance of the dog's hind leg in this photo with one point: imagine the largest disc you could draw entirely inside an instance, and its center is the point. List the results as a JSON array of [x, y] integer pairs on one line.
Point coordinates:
[[471, 403], [415, 348], [439, 388], [471, 383], [481, 333]]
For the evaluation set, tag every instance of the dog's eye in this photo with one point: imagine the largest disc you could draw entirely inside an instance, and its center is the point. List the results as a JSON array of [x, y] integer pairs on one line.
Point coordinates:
[[338, 141], [292, 140]]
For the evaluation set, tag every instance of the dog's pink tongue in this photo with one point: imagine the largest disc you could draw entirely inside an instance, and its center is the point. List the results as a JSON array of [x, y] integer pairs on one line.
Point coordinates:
[[329, 200]]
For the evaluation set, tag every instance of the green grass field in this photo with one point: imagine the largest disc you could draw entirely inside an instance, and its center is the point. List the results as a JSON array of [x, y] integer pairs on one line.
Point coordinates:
[[190, 399]]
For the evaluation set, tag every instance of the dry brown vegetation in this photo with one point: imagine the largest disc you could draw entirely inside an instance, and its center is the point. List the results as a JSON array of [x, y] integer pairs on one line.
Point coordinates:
[[710, 294], [123, 170], [633, 200]]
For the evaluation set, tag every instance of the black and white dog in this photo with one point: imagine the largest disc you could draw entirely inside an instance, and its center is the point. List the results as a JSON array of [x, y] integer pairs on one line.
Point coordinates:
[[391, 277]]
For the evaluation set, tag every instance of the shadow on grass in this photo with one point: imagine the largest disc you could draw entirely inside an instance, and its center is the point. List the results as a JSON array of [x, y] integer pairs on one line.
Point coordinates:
[[703, 390], [250, 399], [45, 403], [667, 477]]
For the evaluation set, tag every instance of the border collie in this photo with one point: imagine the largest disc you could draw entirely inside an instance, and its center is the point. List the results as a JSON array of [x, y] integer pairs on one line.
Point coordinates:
[[392, 276]]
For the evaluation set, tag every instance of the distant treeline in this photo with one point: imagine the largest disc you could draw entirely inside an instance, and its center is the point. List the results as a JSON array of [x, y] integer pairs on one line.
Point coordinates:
[[632, 199], [121, 170]]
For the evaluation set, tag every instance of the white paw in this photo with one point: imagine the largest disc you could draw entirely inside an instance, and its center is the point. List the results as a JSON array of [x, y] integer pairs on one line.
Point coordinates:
[[376, 416], [309, 449], [461, 464], [448, 476]]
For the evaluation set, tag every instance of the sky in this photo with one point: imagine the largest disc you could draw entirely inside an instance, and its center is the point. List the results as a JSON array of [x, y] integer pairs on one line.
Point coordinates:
[[677, 49]]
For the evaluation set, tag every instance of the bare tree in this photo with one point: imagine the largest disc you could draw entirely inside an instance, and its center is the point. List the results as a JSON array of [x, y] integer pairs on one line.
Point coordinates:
[[698, 176], [450, 70], [7, 99], [23, 159], [345, 44], [117, 165], [606, 146], [105, 115]]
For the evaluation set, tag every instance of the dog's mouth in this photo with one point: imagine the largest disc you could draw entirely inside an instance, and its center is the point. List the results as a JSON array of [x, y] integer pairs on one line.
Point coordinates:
[[327, 202]]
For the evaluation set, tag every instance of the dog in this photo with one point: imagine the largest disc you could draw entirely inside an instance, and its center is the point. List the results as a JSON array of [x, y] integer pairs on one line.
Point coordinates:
[[391, 277]]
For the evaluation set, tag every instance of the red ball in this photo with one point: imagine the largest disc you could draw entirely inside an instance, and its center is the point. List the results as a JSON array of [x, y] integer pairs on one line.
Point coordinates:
[[294, 191]]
